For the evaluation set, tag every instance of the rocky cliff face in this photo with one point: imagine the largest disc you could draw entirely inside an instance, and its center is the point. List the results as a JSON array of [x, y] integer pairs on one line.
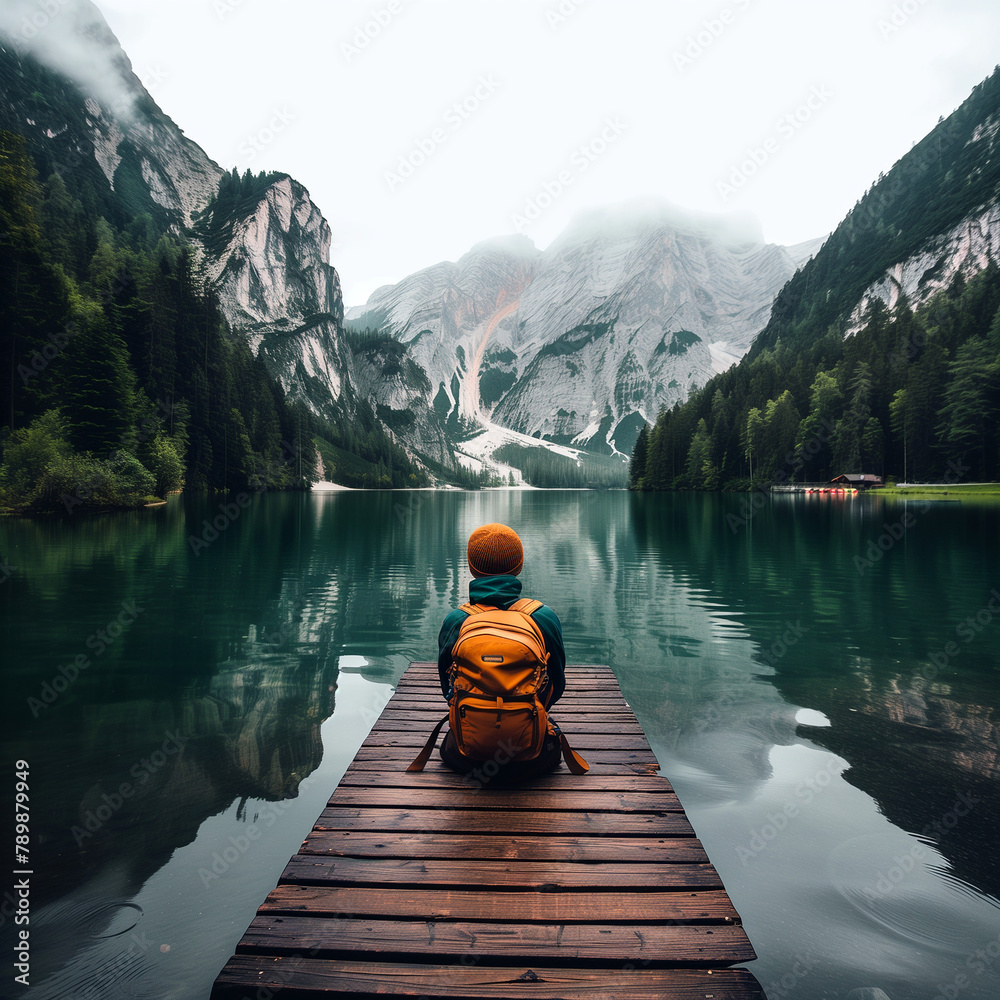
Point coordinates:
[[271, 270], [276, 286], [965, 249], [581, 343]]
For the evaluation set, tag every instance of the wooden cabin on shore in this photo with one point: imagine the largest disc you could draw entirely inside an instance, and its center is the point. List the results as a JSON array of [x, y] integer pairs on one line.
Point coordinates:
[[858, 480]]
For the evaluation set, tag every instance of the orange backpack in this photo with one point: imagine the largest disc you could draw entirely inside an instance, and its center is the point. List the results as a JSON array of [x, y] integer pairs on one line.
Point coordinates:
[[498, 668]]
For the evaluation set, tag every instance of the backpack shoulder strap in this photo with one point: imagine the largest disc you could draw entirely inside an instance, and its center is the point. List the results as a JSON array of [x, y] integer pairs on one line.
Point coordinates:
[[421, 759], [526, 606], [476, 609]]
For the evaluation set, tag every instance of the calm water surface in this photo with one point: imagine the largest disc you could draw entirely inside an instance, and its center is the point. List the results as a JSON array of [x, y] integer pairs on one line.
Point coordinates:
[[820, 683]]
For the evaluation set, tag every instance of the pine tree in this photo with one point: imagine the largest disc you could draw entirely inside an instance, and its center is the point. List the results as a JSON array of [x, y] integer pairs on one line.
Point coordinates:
[[97, 388], [698, 467], [640, 454], [851, 426], [34, 306], [967, 408]]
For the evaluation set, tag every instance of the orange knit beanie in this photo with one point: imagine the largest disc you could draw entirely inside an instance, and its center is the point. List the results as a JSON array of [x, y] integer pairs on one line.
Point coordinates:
[[494, 550]]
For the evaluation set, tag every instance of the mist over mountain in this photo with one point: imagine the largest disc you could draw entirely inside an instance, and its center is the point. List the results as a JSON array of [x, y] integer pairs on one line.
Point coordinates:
[[71, 38], [622, 315]]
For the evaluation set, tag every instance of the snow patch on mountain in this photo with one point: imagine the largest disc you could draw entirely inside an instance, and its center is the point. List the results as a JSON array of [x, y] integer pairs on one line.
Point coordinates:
[[621, 316]]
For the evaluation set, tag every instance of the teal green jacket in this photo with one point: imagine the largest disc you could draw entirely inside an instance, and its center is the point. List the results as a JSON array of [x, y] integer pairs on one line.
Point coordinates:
[[502, 592]]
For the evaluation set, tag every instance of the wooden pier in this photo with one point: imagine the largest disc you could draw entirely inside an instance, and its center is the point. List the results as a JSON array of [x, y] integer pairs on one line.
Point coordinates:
[[424, 885]]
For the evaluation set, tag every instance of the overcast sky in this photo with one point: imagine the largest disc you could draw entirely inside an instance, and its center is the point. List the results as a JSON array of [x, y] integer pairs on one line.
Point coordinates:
[[421, 127]]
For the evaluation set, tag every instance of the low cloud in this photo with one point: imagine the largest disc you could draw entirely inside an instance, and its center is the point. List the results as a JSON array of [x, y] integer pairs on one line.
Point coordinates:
[[72, 38]]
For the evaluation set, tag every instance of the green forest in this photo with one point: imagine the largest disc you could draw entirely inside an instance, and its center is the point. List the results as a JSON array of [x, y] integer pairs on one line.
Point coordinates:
[[914, 394], [548, 470], [121, 379]]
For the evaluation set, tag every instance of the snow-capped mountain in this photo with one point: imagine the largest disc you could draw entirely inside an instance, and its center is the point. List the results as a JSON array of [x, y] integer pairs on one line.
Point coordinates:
[[580, 343]]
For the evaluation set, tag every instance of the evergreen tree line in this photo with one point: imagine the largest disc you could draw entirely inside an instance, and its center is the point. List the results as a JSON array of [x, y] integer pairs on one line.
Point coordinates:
[[910, 395], [358, 452], [548, 470], [121, 379], [914, 394]]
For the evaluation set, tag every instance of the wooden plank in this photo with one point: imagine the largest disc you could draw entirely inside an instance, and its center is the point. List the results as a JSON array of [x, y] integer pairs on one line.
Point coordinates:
[[402, 756], [301, 976], [575, 685], [456, 871], [581, 742], [565, 706], [574, 675], [508, 798], [544, 849], [342, 936], [574, 682], [418, 668], [605, 763], [574, 691], [558, 780], [585, 722], [478, 821], [705, 906]]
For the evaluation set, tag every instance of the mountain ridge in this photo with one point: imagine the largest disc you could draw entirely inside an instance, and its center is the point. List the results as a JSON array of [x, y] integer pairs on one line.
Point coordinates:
[[656, 295]]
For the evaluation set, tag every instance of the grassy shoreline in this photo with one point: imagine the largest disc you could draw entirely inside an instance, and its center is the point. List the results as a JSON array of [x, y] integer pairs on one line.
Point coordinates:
[[956, 491]]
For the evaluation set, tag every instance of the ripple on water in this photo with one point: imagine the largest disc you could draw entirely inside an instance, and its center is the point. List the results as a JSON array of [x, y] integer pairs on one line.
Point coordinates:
[[907, 892], [106, 963], [113, 919]]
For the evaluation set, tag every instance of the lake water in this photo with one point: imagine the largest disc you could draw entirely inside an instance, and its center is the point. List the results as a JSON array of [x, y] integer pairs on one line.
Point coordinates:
[[819, 678]]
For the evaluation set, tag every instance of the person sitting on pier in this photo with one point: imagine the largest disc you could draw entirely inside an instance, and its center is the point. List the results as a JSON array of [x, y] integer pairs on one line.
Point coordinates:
[[495, 557]]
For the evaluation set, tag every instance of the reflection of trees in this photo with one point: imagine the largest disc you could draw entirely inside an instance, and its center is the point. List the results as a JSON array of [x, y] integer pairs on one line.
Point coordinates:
[[914, 733], [232, 662]]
